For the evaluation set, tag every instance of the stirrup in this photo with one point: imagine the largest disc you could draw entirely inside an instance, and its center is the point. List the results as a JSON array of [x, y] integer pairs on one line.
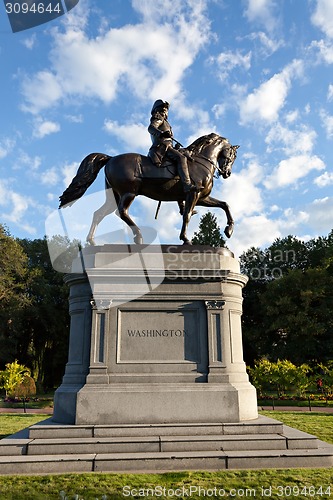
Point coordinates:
[[190, 188]]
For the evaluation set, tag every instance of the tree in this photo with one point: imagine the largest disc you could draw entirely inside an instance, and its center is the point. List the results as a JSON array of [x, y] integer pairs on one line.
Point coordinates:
[[12, 376], [280, 376], [209, 232], [288, 299], [283, 255], [297, 316], [14, 299], [46, 329]]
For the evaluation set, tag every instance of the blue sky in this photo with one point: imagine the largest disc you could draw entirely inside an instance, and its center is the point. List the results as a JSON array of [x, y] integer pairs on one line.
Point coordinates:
[[256, 71]]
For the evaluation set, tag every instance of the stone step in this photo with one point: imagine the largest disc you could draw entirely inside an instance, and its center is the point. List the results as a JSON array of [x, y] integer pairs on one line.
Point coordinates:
[[40, 450], [50, 429], [167, 461], [155, 444], [288, 439]]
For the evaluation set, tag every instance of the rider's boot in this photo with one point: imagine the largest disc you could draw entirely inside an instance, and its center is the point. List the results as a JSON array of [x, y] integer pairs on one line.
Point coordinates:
[[188, 185]]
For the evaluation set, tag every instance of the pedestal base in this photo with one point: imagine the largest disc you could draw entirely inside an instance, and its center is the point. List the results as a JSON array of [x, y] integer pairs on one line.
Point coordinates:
[[165, 403], [172, 355]]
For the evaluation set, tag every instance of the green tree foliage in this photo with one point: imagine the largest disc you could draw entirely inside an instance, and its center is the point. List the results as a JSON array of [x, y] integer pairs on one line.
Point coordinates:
[[46, 328], [288, 301], [33, 308], [14, 299], [280, 377], [13, 376], [209, 232], [298, 316]]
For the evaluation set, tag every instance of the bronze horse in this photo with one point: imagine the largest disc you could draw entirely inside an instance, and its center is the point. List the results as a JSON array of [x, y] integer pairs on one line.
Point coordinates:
[[131, 174]]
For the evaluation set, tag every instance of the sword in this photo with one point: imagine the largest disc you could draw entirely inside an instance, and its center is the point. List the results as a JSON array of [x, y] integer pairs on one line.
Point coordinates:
[[177, 142], [158, 209]]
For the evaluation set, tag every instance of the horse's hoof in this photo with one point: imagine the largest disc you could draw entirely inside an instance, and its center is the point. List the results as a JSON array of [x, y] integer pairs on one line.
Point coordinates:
[[138, 240], [187, 242], [91, 241], [229, 230]]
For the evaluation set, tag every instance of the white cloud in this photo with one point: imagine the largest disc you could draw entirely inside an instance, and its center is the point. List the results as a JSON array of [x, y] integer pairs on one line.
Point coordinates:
[[326, 179], [6, 146], [292, 169], [32, 162], [40, 91], [294, 218], [292, 116], [253, 231], [267, 100], [330, 92], [227, 61], [241, 191], [50, 177], [75, 118], [262, 11], [169, 219], [323, 17], [136, 57], [295, 141], [134, 135], [43, 128], [68, 172], [219, 110], [17, 204], [321, 215], [268, 45], [327, 122], [30, 42], [325, 50]]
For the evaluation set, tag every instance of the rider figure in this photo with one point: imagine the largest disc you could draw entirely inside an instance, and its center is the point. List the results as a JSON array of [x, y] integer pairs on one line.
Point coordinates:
[[161, 135]]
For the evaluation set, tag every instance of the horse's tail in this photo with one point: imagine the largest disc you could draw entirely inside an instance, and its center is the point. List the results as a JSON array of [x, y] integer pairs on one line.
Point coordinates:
[[85, 176]]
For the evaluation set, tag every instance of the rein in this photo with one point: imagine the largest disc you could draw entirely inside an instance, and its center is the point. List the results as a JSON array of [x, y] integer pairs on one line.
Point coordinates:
[[215, 165]]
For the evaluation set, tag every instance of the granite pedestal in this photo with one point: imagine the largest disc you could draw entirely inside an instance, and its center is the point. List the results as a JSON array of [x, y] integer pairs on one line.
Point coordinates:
[[171, 355]]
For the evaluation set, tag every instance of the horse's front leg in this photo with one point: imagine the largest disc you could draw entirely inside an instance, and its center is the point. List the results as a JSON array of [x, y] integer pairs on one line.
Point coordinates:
[[190, 202], [214, 203]]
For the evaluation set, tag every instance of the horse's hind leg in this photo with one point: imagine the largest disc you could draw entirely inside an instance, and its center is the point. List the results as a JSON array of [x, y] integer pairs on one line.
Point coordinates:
[[124, 204], [107, 208]]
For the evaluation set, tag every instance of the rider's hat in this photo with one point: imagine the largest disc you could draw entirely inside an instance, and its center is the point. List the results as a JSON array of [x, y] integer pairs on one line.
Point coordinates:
[[159, 104]]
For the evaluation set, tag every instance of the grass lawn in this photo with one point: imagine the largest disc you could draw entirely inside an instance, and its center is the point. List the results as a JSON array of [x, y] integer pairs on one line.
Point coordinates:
[[274, 484], [14, 422], [318, 424]]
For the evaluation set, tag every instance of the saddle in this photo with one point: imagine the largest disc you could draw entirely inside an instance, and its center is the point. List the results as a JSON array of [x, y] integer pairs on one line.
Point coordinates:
[[146, 169]]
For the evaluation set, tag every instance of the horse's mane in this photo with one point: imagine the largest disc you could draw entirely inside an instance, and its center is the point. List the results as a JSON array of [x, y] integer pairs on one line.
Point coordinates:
[[197, 146]]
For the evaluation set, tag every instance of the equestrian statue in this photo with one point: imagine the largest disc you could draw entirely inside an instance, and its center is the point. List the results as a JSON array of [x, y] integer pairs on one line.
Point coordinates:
[[168, 173]]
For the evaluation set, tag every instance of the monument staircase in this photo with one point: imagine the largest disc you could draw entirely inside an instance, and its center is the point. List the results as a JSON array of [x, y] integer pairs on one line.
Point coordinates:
[[258, 444]]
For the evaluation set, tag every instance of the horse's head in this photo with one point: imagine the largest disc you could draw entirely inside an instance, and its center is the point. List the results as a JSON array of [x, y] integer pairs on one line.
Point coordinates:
[[226, 159], [215, 148]]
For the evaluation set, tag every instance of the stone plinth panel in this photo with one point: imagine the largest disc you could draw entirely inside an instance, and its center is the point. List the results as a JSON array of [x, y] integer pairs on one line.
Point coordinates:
[[159, 346]]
